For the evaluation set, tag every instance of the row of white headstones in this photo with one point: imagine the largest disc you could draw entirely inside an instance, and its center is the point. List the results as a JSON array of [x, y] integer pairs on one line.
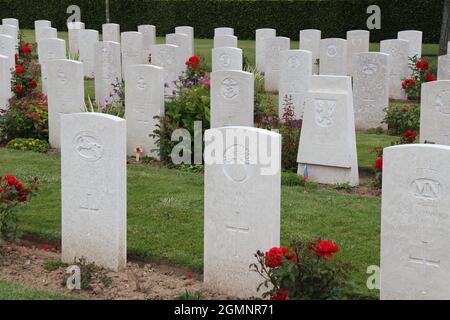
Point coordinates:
[[94, 148]]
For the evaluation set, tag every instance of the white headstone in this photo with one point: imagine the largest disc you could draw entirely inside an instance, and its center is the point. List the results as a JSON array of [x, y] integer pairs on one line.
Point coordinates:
[[225, 58], [398, 51], [108, 72], [87, 42], [45, 33], [295, 80], [148, 40], [131, 50], [183, 41], [370, 89], [11, 21], [261, 35], [5, 82], [167, 56], [12, 31], [242, 206], [415, 41], [232, 99], [273, 48], [50, 49], [333, 57], [358, 41], [94, 189], [65, 94], [7, 49], [328, 141], [443, 68], [74, 34], [310, 41], [435, 112], [414, 223], [38, 24], [111, 32], [225, 41], [144, 99], [224, 31], [190, 32]]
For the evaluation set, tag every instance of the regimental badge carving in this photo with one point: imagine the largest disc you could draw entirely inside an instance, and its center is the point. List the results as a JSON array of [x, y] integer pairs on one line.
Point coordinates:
[[370, 68], [325, 110], [225, 60], [293, 62], [229, 89], [332, 51], [236, 161], [141, 83], [62, 77], [442, 102], [88, 146], [357, 42], [425, 189]]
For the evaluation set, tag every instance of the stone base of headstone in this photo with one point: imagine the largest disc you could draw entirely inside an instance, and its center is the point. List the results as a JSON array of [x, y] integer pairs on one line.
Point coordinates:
[[330, 175]]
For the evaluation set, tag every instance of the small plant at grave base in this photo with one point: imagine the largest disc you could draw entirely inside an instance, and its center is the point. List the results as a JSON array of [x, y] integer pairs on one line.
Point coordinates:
[[401, 118], [107, 281], [35, 145], [13, 194], [407, 138], [53, 265], [189, 295], [87, 270], [342, 186], [420, 73], [302, 271]]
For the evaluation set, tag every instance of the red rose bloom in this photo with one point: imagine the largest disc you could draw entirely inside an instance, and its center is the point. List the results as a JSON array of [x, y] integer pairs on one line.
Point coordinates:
[[274, 257], [26, 48], [422, 65], [282, 295], [410, 136], [194, 59], [33, 85], [19, 69], [430, 77], [194, 66], [45, 247], [379, 164], [405, 109], [19, 89], [325, 249]]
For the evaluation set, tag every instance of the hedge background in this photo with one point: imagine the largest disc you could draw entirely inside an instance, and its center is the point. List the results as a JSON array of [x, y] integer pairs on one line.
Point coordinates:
[[333, 17]]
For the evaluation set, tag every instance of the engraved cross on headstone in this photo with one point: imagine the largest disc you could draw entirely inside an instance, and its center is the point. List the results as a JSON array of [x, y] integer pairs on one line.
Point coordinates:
[[235, 229], [426, 263], [89, 206]]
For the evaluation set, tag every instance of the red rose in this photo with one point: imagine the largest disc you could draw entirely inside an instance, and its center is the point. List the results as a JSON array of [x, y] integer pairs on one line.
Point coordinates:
[[19, 69], [19, 89], [194, 59], [410, 136], [422, 65], [26, 48], [33, 85], [202, 73], [325, 249], [194, 66], [379, 164], [45, 247], [281, 295], [430, 77], [274, 257], [16, 57], [405, 109]]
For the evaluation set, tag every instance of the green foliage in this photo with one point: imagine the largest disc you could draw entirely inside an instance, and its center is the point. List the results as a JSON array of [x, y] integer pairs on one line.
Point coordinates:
[[420, 74], [53, 265], [35, 145], [291, 179], [26, 118], [87, 270], [334, 18], [107, 281], [342, 186], [189, 295], [401, 118]]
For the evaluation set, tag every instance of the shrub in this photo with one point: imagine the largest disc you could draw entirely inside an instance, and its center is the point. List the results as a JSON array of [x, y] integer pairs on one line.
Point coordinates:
[[420, 73], [302, 271], [26, 118], [25, 74], [12, 195], [401, 118], [29, 145]]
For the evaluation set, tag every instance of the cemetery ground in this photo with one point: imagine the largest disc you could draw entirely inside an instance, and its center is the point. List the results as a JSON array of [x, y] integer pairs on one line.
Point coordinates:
[[165, 210]]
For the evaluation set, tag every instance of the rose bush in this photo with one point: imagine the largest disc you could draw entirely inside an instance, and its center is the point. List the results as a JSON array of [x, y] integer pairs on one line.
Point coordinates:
[[420, 73], [12, 195], [304, 270], [401, 118]]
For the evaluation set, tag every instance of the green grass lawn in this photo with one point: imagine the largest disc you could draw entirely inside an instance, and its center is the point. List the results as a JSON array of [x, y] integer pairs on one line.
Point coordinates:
[[15, 291], [165, 213]]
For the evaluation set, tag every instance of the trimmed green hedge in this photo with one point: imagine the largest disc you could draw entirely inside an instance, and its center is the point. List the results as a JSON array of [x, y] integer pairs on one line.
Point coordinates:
[[333, 17]]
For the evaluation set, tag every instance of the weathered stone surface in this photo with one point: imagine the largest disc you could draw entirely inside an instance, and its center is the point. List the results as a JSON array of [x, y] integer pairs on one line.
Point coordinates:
[[223, 31], [225, 58], [273, 48], [111, 32], [358, 41], [225, 41], [87, 42], [50, 49], [333, 57], [167, 56], [148, 40], [190, 32], [310, 41], [443, 68], [74, 36], [108, 72], [398, 51], [415, 41], [5, 82], [261, 35], [131, 50]]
